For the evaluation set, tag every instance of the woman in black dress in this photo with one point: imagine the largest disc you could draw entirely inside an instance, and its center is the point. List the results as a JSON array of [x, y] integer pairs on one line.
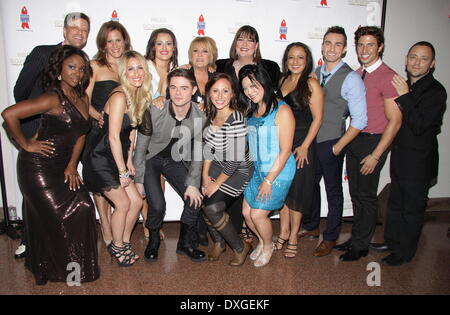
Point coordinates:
[[60, 215], [109, 167], [305, 97], [112, 41]]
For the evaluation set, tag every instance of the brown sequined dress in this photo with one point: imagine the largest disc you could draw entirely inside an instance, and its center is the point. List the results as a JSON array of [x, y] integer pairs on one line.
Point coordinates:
[[60, 223]]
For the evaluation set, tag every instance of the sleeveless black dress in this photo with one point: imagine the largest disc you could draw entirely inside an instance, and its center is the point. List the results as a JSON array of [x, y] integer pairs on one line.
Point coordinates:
[[60, 223], [300, 194], [100, 171]]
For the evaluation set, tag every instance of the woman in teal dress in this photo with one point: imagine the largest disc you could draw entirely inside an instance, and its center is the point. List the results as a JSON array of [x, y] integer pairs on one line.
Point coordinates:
[[271, 127]]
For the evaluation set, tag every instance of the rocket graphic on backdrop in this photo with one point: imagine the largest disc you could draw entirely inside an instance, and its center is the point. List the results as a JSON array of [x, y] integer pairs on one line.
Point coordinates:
[[115, 16], [320, 63], [25, 18], [324, 3], [283, 30], [201, 25]]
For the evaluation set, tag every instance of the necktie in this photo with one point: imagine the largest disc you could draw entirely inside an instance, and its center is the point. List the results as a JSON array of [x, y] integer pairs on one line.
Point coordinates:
[[324, 78], [364, 74]]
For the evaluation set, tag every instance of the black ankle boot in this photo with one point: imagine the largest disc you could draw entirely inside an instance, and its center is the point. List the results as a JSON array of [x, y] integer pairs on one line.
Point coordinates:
[[151, 252], [185, 246]]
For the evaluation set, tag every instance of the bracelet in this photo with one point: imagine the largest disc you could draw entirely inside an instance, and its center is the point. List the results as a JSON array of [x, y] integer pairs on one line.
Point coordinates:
[[268, 181], [374, 157], [124, 174]]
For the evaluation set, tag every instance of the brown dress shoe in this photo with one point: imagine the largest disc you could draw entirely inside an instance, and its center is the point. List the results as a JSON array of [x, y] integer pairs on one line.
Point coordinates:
[[239, 258], [216, 252], [324, 248], [309, 234]]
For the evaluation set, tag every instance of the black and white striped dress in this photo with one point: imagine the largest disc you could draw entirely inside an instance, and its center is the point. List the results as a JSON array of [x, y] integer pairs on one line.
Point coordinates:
[[227, 148]]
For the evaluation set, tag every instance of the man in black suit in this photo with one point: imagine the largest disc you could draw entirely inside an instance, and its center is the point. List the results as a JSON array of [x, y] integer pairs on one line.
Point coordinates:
[[414, 155], [29, 83]]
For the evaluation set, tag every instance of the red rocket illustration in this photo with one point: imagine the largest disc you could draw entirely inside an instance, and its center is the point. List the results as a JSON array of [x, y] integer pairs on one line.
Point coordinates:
[[324, 3], [114, 16], [201, 25], [320, 63], [283, 30], [25, 18]]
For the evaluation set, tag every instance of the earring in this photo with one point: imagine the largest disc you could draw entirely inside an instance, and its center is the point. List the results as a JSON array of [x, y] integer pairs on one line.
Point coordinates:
[[59, 77]]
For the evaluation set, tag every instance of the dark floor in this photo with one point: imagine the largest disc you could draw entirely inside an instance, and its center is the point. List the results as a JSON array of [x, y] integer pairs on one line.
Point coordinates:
[[428, 273]]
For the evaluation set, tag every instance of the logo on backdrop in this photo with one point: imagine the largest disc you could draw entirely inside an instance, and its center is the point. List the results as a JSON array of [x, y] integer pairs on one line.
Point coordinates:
[[283, 30], [201, 26], [114, 16], [324, 3], [320, 62], [25, 18]]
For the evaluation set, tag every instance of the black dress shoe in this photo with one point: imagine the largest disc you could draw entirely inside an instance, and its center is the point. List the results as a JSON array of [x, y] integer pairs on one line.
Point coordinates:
[[151, 251], [379, 247], [393, 260], [185, 244], [151, 254], [353, 255], [344, 247], [192, 253]]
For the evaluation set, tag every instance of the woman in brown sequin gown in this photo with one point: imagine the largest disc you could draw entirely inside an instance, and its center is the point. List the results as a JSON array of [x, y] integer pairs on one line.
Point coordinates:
[[60, 213]]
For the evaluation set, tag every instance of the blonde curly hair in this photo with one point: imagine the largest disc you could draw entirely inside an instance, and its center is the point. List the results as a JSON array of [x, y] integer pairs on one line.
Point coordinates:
[[138, 100]]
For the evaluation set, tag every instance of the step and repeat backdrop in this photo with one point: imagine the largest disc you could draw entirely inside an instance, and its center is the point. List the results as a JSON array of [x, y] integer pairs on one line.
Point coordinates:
[[27, 24]]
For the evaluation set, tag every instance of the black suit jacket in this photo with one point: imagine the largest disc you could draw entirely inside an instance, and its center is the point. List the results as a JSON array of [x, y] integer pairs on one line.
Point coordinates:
[[414, 154], [29, 83]]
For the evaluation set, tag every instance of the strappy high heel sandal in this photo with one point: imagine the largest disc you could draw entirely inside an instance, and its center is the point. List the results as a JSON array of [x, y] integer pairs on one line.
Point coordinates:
[[121, 252], [279, 244], [291, 250], [127, 246], [246, 234]]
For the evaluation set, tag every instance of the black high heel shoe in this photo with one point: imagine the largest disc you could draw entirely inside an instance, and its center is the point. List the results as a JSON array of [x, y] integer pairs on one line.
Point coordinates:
[[129, 248], [121, 252]]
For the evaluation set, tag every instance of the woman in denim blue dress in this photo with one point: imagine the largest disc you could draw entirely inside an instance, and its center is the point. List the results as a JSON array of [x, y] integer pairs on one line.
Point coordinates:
[[271, 127]]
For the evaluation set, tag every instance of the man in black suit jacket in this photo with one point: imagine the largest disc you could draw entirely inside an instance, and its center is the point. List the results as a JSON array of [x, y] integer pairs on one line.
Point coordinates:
[[29, 83], [414, 155]]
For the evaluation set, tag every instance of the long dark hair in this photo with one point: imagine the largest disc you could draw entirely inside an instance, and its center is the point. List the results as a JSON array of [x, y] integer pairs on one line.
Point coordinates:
[[302, 88], [54, 69], [150, 53], [257, 73], [210, 109]]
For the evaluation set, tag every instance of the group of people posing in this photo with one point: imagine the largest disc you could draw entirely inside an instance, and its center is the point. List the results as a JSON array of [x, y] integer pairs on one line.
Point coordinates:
[[236, 138]]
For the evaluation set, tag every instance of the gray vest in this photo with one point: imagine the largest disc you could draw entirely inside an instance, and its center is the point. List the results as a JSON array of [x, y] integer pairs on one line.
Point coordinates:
[[335, 106]]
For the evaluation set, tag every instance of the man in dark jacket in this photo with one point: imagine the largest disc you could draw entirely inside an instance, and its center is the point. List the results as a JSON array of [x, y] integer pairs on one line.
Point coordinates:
[[414, 157]]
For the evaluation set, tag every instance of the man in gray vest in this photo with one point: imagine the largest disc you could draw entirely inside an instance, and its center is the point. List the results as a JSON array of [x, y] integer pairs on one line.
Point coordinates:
[[344, 94]]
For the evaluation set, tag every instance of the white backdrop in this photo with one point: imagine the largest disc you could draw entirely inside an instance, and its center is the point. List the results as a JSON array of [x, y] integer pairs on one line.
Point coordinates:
[[27, 24]]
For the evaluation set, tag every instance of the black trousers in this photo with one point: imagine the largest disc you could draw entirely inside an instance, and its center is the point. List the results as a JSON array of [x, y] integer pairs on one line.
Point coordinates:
[[405, 216], [175, 174], [329, 167], [363, 189]]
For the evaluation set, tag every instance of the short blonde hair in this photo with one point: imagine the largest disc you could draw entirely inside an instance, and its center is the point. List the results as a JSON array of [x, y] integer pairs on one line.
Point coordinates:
[[210, 46], [139, 101]]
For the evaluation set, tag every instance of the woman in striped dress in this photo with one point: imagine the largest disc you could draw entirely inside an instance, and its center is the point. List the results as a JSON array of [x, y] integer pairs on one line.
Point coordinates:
[[227, 167]]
